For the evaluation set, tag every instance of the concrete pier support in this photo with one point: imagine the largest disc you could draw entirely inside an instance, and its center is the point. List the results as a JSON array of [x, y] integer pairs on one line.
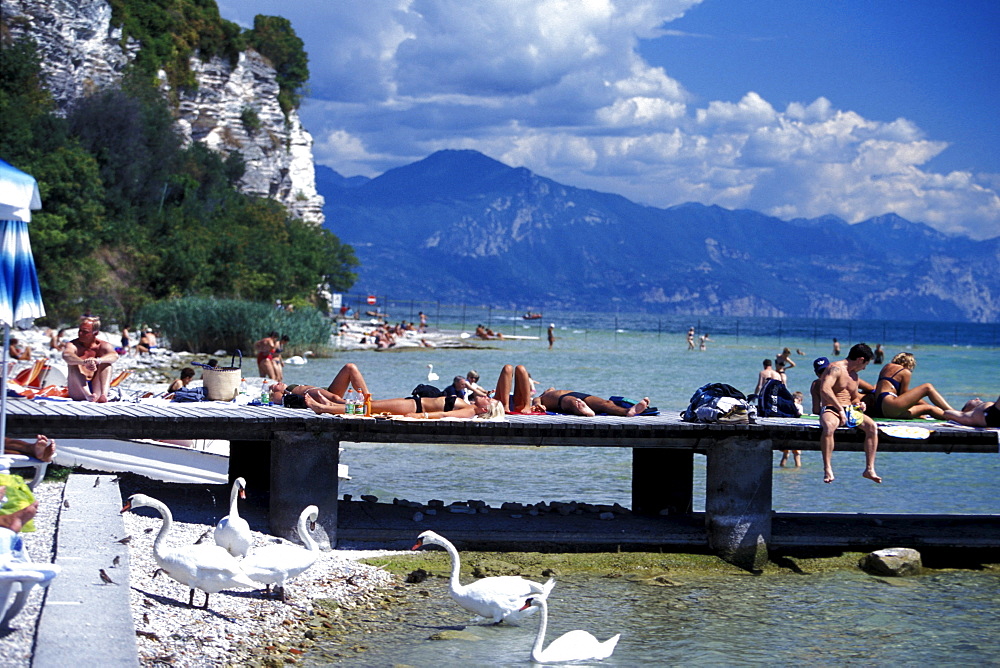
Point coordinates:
[[662, 479], [304, 473], [738, 500]]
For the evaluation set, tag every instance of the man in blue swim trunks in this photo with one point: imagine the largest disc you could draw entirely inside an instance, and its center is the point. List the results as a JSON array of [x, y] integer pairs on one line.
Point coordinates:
[[842, 407]]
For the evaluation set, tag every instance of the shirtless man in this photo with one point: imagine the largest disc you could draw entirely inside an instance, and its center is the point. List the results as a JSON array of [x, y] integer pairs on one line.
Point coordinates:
[[587, 405], [766, 374], [977, 413], [842, 407], [43, 449], [89, 359]]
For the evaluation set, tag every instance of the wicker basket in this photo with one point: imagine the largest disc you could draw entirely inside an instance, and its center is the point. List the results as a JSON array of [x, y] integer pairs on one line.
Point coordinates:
[[223, 383]]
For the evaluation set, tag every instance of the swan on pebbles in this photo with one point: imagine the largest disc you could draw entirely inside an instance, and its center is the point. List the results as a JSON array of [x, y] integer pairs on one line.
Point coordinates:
[[571, 646], [276, 564], [232, 533], [499, 598], [206, 567]]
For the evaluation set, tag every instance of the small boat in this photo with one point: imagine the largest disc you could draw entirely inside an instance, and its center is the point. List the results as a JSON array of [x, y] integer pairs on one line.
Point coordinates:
[[532, 316]]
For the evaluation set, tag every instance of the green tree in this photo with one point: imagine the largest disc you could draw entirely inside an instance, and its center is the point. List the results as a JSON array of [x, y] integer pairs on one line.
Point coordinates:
[[274, 38]]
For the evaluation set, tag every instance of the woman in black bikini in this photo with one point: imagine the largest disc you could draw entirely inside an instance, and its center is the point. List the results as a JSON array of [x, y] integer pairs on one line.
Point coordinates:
[[331, 400], [894, 398], [293, 396], [587, 405]]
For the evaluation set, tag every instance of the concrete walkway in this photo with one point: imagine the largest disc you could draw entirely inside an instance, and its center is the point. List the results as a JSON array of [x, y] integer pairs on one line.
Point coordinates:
[[86, 621]]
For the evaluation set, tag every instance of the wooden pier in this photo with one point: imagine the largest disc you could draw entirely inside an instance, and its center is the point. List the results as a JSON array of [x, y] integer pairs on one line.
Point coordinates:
[[294, 453]]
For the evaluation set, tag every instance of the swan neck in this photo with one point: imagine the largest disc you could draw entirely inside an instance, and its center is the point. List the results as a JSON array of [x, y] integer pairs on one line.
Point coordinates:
[[543, 623], [168, 521], [456, 563], [306, 536], [234, 496]]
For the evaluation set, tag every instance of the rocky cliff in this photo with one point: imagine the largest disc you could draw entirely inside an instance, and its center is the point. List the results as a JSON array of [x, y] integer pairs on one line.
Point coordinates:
[[82, 52]]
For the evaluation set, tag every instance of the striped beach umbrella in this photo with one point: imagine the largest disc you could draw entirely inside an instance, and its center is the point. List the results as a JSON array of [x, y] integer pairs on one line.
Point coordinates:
[[20, 297]]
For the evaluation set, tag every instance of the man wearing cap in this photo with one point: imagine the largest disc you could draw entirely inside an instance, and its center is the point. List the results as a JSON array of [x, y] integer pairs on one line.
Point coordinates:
[[89, 361], [841, 406]]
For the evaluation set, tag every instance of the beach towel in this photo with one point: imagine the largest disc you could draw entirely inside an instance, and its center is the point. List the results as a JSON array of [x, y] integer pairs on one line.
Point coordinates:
[[629, 403], [187, 394]]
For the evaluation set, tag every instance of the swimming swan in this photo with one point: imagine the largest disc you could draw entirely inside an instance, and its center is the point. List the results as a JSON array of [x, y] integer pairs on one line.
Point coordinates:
[[430, 374], [206, 567], [499, 598], [570, 646], [276, 564], [233, 532]]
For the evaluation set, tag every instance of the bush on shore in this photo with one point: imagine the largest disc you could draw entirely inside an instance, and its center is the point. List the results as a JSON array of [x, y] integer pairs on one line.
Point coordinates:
[[204, 325]]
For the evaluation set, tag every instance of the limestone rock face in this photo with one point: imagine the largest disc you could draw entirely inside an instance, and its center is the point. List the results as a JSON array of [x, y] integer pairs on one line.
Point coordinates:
[[80, 50], [894, 561], [82, 53]]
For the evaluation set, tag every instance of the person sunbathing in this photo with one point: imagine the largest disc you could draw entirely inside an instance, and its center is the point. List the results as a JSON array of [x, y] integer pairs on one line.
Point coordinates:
[[292, 396], [894, 398], [43, 449], [17, 519], [976, 413], [569, 402], [428, 408]]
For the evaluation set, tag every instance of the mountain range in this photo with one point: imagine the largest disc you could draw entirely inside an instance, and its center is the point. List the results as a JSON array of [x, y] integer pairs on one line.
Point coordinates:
[[461, 227]]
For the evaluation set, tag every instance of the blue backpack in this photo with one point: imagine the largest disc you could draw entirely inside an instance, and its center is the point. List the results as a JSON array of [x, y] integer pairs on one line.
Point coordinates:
[[775, 400]]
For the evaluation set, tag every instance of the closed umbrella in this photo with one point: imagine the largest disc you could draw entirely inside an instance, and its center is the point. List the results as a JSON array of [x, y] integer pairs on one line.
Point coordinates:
[[20, 297]]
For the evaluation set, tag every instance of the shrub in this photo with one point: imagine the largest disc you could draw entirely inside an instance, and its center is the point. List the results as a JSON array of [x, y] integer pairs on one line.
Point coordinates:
[[204, 325]]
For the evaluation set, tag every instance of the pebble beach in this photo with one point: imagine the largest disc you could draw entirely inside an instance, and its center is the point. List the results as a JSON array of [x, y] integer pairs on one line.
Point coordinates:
[[240, 627]]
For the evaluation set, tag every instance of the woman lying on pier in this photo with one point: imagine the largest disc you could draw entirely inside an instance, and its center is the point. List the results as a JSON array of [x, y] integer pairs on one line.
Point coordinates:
[[331, 400], [977, 413], [292, 396]]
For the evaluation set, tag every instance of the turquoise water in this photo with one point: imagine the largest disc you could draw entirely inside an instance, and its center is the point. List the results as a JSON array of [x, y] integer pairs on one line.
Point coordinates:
[[942, 618]]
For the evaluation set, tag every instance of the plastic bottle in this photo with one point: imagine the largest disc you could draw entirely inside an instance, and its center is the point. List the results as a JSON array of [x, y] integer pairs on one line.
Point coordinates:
[[368, 405], [265, 393], [350, 400]]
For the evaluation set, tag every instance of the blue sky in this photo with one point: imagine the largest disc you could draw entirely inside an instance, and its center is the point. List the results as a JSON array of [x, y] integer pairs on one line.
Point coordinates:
[[790, 107]]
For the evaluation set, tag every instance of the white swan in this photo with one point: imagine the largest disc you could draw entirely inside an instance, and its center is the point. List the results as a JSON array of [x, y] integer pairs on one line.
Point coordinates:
[[233, 532], [499, 598], [206, 567], [571, 646], [276, 564], [299, 359], [430, 374]]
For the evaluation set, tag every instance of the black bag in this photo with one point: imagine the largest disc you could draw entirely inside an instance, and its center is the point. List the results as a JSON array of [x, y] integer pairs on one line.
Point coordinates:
[[707, 396], [424, 390], [775, 400]]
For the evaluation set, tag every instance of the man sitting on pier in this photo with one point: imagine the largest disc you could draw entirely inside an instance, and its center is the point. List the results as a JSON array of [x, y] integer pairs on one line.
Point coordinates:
[[842, 407], [89, 359]]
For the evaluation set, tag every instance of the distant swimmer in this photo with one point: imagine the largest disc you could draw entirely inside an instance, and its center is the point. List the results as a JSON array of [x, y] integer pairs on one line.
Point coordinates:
[[690, 339], [551, 335], [766, 374]]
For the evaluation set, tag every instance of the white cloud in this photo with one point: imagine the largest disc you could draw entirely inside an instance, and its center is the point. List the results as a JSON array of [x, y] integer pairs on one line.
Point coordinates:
[[558, 86]]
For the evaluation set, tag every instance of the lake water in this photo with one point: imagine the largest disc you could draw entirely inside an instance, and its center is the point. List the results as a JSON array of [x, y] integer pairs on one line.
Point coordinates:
[[840, 618]]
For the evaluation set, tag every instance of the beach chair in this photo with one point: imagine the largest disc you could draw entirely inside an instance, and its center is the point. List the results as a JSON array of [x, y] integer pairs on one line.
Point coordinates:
[[17, 576], [117, 387], [11, 461], [34, 376]]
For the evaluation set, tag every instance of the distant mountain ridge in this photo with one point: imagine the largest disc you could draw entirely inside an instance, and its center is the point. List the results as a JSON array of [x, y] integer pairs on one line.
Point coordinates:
[[461, 227]]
